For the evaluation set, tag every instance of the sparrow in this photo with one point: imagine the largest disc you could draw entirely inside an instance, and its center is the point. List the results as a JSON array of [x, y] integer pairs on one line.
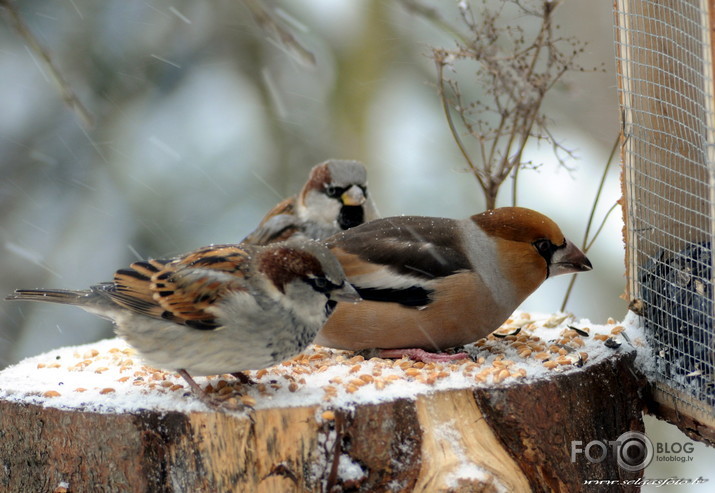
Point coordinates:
[[219, 309], [431, 283], [334, 199]]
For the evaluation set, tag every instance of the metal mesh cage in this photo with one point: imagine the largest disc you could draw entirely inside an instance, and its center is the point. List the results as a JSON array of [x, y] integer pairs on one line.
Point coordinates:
[[665, 82]]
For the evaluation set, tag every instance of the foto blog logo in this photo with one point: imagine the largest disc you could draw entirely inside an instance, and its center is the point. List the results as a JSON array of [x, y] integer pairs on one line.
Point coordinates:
[[633, 450]]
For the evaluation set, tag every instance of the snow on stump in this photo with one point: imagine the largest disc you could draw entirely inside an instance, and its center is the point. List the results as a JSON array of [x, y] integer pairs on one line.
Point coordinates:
[[93, 418]]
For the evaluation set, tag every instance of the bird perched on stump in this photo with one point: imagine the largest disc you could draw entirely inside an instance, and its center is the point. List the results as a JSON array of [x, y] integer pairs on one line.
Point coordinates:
[[334, 198], [431, 283], [219, 309]]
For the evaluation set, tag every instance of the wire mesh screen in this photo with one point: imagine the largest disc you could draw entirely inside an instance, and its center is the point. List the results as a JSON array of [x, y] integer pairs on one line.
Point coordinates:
[[664, 57]]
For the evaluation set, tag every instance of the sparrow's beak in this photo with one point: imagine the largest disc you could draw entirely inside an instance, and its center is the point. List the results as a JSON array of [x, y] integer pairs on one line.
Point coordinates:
[[568, 259], [353, 196], [346, 293]]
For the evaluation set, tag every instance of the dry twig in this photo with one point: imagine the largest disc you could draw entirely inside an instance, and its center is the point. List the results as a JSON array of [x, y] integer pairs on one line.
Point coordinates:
[[515, 69], [68, 95]]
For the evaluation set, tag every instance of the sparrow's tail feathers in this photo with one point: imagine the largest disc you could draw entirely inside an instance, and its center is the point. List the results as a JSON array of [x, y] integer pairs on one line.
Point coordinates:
[[64, 296]]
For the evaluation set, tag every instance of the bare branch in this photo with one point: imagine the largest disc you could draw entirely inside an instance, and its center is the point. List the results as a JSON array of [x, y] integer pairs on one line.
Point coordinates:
[[68, 95], [516, 71]]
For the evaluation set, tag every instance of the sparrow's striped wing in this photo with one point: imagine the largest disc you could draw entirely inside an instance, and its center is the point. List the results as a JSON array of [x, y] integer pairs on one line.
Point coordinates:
[[183, 289], [280, 223]]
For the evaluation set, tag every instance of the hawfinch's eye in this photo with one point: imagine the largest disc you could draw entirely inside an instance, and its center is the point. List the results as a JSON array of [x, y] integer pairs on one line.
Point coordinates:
[[334, 192], [544, 247]]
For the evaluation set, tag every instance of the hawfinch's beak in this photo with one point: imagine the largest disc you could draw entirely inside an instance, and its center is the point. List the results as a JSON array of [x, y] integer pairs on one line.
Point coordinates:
[[568, 259], [346, 293], [353, 196]]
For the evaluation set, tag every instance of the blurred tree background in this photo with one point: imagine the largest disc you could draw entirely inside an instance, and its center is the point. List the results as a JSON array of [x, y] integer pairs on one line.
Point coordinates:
[[205, 114]]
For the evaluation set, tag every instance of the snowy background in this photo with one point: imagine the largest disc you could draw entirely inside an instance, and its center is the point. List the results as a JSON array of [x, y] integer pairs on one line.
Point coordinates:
[[202, 122]]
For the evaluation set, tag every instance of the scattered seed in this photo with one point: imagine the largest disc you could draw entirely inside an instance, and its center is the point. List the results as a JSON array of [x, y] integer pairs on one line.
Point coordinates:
[[247, 400], [366, 377], [328, 415], [550, 364], [570, 333], [123, 379], [90, 354], [80, 389], [612, 343], [582, 332], [107, 390], [293, 387], [101, 369], [51, 393], [618, 329], [225, 391]]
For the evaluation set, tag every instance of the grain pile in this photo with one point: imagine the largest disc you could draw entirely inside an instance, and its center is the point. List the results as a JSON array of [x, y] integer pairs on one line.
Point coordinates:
[[109, 376]]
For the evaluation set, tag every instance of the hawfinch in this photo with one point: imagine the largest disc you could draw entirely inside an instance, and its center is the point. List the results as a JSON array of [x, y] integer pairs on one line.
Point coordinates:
[[218, 309], [431, 283], [334, 199]]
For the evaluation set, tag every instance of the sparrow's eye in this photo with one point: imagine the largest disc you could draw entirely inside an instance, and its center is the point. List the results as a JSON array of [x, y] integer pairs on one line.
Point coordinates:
[[334, 192], [320, 284]]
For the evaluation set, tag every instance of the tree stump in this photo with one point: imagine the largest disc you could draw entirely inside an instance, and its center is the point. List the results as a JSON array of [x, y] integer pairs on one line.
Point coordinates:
[[436, 428]]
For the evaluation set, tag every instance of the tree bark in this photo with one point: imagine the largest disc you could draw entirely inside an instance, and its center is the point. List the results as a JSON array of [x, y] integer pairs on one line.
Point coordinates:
[[514, 437]]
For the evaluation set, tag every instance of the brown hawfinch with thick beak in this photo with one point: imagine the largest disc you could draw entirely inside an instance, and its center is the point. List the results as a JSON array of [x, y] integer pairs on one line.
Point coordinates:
[[432, 283], [334, 199]]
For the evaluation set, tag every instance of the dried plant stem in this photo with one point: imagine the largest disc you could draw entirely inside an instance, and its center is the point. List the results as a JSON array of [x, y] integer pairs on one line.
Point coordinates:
[[68, 95], [515, 72], [587, 244], [450, 121]]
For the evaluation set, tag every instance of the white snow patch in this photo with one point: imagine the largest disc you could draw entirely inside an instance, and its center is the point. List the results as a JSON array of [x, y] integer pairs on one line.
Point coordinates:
[[349, 470], [108, 376]]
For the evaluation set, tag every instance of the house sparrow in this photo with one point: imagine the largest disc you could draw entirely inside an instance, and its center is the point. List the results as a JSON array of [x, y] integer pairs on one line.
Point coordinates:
[[431, 283], [218, 309], [333, 199]]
